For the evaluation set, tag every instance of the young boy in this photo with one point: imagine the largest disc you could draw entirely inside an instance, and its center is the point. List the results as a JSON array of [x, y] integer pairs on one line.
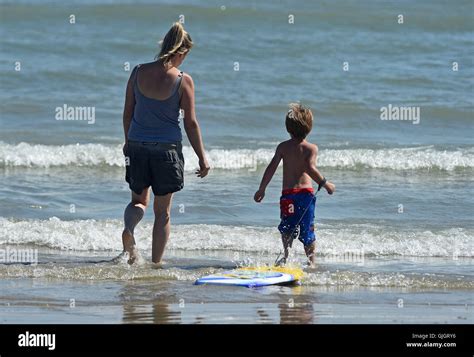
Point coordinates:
[[298, 201]]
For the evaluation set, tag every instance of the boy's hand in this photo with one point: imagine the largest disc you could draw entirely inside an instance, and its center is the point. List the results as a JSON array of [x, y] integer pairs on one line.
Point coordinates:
[[259, 195], [330, 187]]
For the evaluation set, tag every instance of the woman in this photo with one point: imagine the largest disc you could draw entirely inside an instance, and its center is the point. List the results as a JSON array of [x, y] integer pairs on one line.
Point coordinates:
[[156, 92]]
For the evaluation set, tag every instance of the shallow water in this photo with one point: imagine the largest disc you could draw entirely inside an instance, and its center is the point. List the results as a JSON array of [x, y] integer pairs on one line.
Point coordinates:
[[82, 288]]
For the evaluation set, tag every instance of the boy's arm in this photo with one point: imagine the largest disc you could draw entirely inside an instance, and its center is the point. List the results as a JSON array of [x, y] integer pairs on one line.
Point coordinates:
[[269, 172], [314, 173]]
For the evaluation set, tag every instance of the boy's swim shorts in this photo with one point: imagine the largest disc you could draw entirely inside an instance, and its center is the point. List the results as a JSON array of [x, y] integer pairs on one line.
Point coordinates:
[[297, 209]]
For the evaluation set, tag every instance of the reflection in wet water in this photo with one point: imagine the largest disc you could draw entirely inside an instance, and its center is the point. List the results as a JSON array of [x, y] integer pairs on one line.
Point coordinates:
[[162, 313], [263, 316], [150, 303], [142, 305], [156, 313], [296, 313]]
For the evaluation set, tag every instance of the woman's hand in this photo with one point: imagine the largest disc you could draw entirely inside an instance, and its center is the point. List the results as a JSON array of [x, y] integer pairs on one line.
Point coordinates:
[[124, 149], [203, 168], [259, 195]]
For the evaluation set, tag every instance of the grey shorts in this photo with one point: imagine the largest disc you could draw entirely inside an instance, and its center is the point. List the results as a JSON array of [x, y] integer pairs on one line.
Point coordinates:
[[159, 165]]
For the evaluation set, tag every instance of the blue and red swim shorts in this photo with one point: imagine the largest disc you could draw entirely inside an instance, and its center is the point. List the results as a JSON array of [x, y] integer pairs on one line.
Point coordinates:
[[297, 206]]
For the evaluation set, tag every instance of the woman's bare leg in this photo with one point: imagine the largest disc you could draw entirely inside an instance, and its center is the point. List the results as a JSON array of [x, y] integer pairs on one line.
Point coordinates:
[[133, 214], [161, 227]]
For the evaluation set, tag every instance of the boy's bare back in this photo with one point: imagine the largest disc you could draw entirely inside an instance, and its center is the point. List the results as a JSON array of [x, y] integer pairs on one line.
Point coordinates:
[[297, 156]]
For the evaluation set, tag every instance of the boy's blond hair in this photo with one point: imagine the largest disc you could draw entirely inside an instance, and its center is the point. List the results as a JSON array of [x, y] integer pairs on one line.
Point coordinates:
[[299, 121]]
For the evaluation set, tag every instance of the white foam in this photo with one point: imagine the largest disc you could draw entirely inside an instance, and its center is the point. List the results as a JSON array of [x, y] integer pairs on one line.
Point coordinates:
[[35, 155], [399, 158], [103, 271], [338, 278], [392, 279], [333, 241]]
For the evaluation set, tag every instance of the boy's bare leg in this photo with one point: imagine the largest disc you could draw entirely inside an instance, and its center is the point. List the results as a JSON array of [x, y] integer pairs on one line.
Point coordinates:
[[310, 253], [161, 227], [133, 214], [286, 239]]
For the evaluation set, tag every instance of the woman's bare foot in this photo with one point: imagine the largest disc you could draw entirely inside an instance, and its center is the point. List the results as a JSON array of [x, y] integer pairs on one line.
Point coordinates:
[[129, 246], [157, 265]]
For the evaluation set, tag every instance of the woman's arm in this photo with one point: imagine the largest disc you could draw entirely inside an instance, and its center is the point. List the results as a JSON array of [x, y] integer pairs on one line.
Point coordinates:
[[129, 106], [191, 125]]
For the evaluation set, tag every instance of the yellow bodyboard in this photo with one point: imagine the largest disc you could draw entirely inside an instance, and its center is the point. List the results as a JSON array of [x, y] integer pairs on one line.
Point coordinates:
[[297, 272]]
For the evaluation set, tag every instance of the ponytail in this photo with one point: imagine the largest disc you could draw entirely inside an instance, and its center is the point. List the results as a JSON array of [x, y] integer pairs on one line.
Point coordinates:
[[176, 41]]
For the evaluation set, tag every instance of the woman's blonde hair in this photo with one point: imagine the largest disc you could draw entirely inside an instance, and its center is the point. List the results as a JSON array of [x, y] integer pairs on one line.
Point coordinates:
[[176, 41]]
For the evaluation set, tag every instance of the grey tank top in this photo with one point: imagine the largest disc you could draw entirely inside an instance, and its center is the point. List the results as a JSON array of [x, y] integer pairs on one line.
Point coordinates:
[[156, 120]]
